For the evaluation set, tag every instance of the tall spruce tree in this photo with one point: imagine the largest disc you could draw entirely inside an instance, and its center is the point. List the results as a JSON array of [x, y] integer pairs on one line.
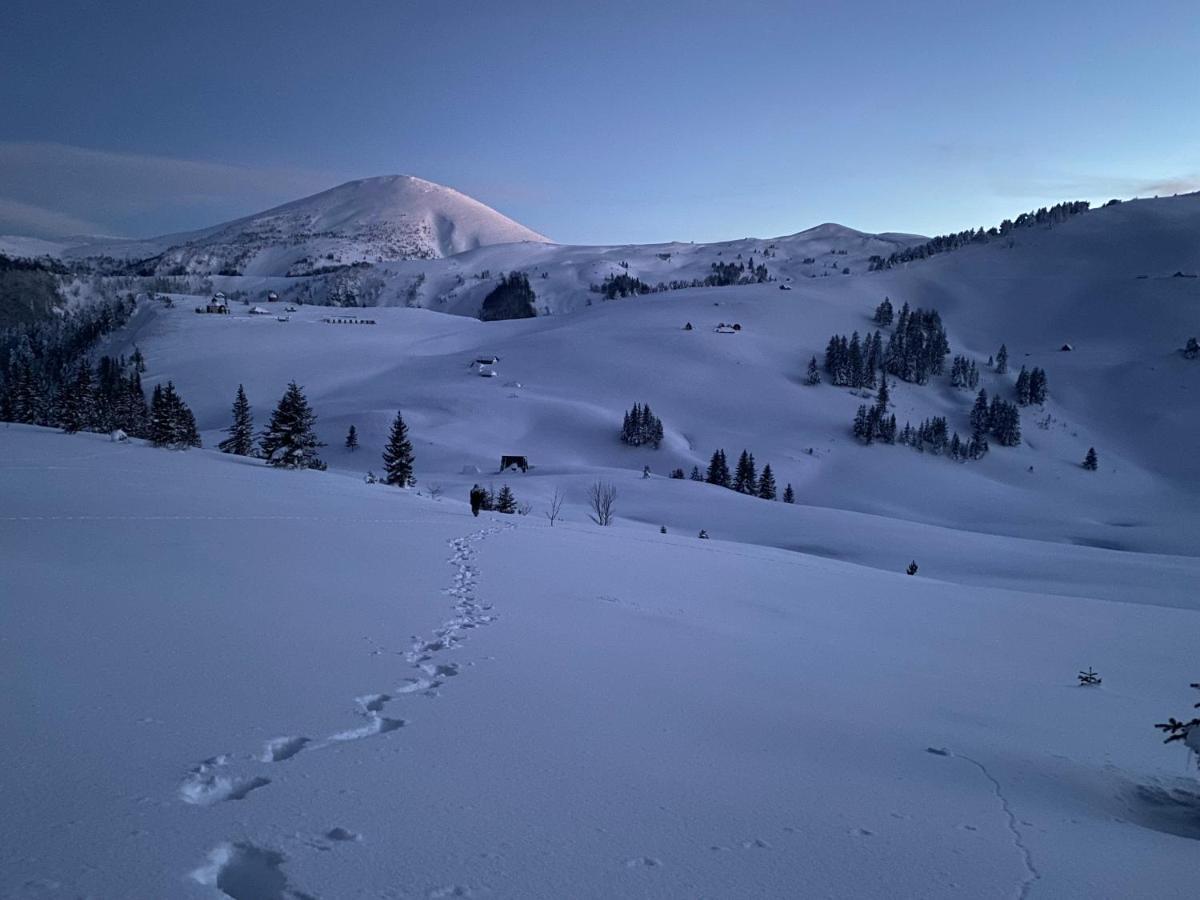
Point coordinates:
[[1091, 462], [241, 432], [289, 441], [814, 374], [398, 455], [76, 404], [789, 496], [718, 469], [745, 479], [352, 438], [1023, 387], [171, 421], [696, 476], [981, 422], [1002, 360], [766, 483]]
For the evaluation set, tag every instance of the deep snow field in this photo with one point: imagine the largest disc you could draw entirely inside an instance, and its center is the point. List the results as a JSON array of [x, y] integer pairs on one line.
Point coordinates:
[[229, 680]]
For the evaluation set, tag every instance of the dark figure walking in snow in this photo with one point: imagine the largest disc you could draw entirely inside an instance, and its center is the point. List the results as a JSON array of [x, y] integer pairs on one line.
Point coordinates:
[[478, 495]]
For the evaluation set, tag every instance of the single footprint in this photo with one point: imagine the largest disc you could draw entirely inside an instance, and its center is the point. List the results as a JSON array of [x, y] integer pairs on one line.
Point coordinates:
[[245, 872], [207, 789], [281, 748]]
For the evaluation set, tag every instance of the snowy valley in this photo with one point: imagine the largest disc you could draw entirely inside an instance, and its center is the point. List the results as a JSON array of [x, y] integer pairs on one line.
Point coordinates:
[[246, 681]]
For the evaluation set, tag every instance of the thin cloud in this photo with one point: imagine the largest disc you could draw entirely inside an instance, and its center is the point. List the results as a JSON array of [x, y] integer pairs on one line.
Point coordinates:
[[25, 219], [1075, 186], [135, 194]]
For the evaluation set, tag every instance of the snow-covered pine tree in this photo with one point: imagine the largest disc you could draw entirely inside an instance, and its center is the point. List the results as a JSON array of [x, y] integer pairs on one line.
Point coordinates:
[[884, 313], [505, 501], [766, 483], [814, 374], [171, 421], [981, 422], [718, 469], [132, 413], [789, 496], [398, 455], [1037, 385], [1180, 730], [856, 362], [1023, 392], [76, 406], [289, 441], [352, 438], [1091, 462], [696, 476], [186, 434], [745, 479], [1002, 360], [241, 432]]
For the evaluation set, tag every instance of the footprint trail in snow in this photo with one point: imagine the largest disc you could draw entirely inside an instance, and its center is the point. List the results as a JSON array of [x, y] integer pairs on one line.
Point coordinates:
[[216, 779]]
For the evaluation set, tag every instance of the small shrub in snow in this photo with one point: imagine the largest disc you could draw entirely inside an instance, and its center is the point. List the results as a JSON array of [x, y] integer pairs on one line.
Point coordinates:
[[1091, 462], [1188, 732], [1088, 678], [912, 568]]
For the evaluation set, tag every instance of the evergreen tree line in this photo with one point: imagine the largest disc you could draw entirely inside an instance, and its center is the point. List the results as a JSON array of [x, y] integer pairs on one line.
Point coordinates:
[[42, 363], [641, 426], [1060, 212], [918, 346], [1031, 386], [851, 362], [964, 373], [1000, 419], [746, 479], [933, 436], [512, 298], [102, 401], [721, 274], [873, 423]]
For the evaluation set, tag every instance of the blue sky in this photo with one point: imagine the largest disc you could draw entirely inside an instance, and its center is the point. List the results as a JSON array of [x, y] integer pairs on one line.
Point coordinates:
[[596, 122]]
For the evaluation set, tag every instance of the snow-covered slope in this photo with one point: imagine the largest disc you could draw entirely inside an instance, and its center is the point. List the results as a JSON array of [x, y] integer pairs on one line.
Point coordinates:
[[366, 221], [565, 382], [211, 661], [229, 681]]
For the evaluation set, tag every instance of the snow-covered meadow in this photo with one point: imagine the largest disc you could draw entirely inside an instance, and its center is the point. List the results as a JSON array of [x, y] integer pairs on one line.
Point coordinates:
[[229, 680]]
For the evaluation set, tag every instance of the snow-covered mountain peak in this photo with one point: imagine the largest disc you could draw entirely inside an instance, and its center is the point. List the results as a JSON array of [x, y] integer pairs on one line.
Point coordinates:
[[369, 220]]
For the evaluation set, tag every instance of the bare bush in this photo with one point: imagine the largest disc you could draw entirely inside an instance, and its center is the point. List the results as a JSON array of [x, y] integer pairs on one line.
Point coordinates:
[[556, 503], [601, 497]]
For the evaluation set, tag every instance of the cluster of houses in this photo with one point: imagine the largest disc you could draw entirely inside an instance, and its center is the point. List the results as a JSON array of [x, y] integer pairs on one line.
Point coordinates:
[[347, 319], [219, 305]]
